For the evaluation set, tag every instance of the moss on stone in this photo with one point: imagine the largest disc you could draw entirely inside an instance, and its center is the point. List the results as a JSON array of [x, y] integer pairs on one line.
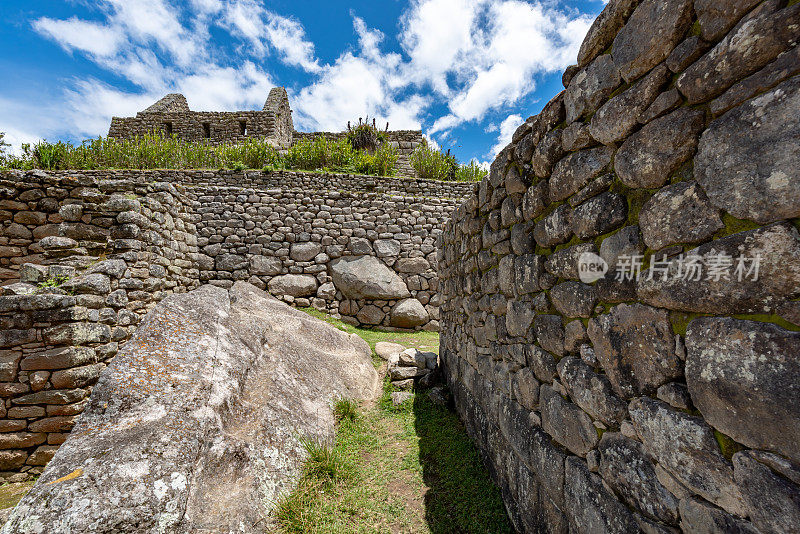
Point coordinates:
[[773, 318], [680, 320], [696, 29], [727, 446], [732, 225]]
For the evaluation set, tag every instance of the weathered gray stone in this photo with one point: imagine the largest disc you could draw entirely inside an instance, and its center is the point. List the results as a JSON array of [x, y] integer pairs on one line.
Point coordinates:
[[550, 333], [773, 502], [625, 242], [240, 360], [564, 263], [679, 213], [634, 344], [716, 18], [744, 377], [573, 299], [522, 238], [591, 391], [528, 269], [652, 31], [566, 423], [542, 363], [306, 251], [778, 247], [676, 395], [519, 316], [294, 285], [592, 189], [576, 170], [745, 50], [408, 313], [746, 160], [604, 28], [617, 117], [555, 228], [575, 137], [533, 201], [685, 446], [365, 277], [547, 153], [412, 265], [265, 265], [525, 388], [664, 103], [574, 336], [386, 248], [704, 518], [370, 314], [599, 215], [787, 64], [630, 472], [358, 246], [593, 508], [386, 350], [648, 157], [591, 87], [231, 262], [92, 284]]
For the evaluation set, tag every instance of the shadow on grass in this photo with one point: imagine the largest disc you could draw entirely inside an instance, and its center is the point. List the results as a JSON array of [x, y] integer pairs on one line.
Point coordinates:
[[462, 496]]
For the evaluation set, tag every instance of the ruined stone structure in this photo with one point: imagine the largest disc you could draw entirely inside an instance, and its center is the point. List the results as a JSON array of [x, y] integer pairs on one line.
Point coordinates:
[[669, 400], [171, 115], [117, 242]]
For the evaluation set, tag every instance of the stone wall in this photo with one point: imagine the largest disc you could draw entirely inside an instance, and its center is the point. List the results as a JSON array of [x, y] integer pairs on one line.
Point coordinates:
[[86, 254], [404, 141], [110, 250], [669, 400], [171, 115]]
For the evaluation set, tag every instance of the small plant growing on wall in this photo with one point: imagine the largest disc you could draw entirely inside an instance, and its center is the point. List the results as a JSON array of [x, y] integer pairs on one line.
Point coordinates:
[[366, 136], [54, 281]]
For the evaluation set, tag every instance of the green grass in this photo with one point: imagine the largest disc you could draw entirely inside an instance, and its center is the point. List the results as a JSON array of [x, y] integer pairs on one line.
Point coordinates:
[[156, 151], [433, 164], [426, 341], [410, 468]]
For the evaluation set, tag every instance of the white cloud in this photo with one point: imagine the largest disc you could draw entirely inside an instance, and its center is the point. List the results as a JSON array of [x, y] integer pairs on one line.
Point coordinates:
[[507, 129], [474, 56], [75, 34]]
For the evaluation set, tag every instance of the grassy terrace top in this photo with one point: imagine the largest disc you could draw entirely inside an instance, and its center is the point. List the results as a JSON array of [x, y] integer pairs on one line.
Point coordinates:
[[153, 151]]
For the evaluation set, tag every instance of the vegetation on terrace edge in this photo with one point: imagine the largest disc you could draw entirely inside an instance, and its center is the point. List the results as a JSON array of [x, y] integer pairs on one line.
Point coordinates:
[[156, 151], [433, 164]]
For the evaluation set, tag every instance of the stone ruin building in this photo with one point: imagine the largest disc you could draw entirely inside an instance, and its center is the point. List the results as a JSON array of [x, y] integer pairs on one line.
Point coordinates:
[[603, 400], [171, 115]]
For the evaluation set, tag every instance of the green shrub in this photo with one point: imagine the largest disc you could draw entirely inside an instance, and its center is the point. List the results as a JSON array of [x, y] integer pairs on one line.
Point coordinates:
[[433, 164], [366, 136]]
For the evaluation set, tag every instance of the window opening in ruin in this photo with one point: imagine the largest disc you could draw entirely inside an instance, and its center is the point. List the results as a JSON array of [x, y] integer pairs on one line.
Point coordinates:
[[168, 128], [243, 127], [206, 130]]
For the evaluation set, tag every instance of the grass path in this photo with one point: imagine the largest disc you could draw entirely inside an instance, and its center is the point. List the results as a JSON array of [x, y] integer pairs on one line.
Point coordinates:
[[396, 469]]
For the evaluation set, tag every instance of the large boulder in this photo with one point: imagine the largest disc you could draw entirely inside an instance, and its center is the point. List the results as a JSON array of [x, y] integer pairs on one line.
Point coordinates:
[[366, 277], [409, 313], [293, 285], [196, 425]]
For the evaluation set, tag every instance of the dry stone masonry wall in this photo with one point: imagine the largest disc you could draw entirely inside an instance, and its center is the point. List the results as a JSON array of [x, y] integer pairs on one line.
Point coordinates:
[[85, 255], [667, 401]]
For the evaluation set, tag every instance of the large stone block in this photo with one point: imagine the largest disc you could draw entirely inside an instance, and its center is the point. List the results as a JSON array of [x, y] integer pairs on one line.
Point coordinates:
[[573, 299], [648, 157], [366, 277], [773, 502], [604, 28], [631, 473], [652, 31], [684, 445], [635, 345], [294, 285], [408, 313], [776, 251], [591, 87], [566, 423], [747, 159], [576, 170], [751, 45], [679, 213], [590, 506], [591, 391], [744, 377]]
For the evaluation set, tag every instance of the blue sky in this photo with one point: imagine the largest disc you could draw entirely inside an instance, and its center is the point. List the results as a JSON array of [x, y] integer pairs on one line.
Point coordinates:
[[467, 72]]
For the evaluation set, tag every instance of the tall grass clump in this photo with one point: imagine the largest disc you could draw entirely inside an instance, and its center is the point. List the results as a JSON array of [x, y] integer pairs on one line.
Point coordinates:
[[345, 410], [433, 164], [366, 136]]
